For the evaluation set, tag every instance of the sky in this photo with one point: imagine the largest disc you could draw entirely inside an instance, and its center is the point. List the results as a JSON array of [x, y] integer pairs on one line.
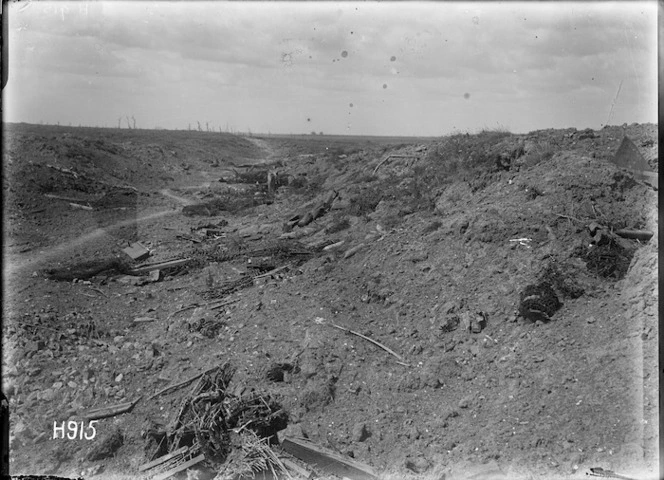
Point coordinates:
[[359, 68]]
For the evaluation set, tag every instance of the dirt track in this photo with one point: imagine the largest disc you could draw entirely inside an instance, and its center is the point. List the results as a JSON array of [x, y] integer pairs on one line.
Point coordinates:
[[439, 246]]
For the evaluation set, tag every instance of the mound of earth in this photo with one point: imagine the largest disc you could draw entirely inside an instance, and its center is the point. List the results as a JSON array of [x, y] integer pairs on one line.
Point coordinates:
[[473, 306]]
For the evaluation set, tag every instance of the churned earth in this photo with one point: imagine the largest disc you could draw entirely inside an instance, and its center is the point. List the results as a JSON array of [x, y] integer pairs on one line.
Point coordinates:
[[516, 331]]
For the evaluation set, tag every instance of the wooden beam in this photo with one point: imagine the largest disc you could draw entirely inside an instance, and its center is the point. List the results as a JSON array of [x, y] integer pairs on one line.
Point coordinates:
[[294, 467], [160, 460], [180, 468], [327, 461]]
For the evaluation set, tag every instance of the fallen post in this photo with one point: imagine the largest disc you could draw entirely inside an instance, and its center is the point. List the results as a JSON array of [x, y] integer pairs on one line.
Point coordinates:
[[112, 411], [327, 461]]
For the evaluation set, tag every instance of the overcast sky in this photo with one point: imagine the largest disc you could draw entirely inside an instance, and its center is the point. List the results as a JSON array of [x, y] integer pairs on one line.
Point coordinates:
[[341, 68]]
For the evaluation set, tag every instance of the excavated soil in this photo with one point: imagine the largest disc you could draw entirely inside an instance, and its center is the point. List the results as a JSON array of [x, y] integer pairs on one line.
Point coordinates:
[[519, 331]]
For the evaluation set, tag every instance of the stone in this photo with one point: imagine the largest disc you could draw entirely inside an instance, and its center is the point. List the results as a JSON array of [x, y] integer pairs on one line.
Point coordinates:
[[464, 402], [360, 432], [417, 465], [119, 378]]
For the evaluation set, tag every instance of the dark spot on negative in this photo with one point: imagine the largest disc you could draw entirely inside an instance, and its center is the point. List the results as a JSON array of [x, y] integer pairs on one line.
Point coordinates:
[[393, 58], [384, 85], [344, 54], [466, 95]]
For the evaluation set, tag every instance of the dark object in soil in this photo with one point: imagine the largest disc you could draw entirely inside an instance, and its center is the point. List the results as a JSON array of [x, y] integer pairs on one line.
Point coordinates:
[[538, 302], [276, 371], [207, 327], [107, 447], [88, 269], [563, 278], [608, 259]]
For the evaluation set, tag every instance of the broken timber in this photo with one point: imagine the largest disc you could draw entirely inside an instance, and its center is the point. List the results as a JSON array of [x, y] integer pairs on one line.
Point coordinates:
[[112, 411], [183, 383], [160, 460], [327, 461], [180, 468], [159, 266], [302, 472]]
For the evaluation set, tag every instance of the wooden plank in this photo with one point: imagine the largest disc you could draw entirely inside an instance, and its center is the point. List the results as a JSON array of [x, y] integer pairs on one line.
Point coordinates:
[[294, 467], [160, 460], [327, 461], [159, 266], [180, 468]]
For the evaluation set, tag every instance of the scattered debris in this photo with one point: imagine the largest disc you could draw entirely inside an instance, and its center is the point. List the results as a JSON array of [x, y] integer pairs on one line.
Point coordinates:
[[326, 460]]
